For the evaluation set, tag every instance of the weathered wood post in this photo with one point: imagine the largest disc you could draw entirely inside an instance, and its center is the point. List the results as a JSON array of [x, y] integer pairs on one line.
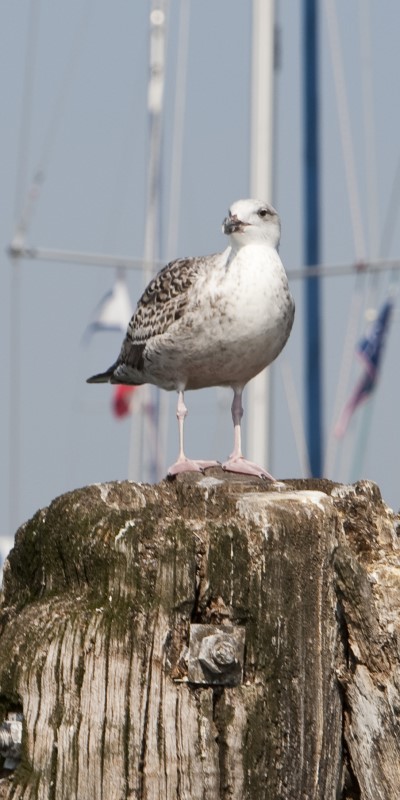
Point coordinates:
[[204, 639]]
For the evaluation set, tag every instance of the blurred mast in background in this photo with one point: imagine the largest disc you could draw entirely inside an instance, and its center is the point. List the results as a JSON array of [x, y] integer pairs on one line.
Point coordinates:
[[258, 444], [313, 378], [14, 432], [146, 445]]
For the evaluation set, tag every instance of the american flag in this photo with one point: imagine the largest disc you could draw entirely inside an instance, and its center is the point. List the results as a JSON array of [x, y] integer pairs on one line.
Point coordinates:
[[369, 350]]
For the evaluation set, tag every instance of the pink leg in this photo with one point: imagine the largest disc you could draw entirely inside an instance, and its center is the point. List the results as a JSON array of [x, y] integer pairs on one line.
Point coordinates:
[[183, 464], [181, 413], [236, 462], [237, 414]]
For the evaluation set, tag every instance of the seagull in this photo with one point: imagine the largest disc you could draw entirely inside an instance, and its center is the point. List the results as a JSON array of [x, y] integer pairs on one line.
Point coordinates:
[[215, 320]]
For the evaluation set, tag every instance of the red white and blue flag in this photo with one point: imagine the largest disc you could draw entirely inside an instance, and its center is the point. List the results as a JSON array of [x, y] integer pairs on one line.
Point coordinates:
[[369, 351]]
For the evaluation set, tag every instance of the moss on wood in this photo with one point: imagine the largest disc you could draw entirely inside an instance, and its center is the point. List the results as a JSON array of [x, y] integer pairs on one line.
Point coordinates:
[[99, 594]]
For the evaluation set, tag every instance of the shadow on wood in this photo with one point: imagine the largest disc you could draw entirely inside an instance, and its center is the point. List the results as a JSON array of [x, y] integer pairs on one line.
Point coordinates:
[[102, 591]]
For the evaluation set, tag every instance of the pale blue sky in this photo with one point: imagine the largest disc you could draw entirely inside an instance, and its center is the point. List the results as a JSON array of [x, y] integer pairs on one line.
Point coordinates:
[[93, 195]]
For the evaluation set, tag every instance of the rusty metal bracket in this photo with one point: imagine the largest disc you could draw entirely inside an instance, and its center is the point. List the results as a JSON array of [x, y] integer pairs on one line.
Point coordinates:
[[216, 654]]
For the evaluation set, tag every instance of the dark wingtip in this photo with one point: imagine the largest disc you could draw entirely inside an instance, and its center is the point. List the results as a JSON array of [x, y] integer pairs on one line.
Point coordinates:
[[101, 377]]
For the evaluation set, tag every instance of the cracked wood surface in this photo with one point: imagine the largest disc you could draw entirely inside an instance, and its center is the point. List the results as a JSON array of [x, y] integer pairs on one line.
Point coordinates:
[[99, 594]]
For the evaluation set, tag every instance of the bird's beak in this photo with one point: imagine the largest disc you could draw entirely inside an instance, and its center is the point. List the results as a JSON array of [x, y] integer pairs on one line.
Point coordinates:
[[232, 224]]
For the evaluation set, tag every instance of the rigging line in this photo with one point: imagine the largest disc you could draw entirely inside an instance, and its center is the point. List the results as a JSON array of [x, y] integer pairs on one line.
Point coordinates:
[[14, 411], [178, 129], [27, 103], [357, 225], [14, 419], [366, 414], [391, 214], [345, 129], [344, 372], [127, 262], [31, 198], [361, 443], [364, 12], [370, 142], [347, 449], [372, 194], [296, 417]]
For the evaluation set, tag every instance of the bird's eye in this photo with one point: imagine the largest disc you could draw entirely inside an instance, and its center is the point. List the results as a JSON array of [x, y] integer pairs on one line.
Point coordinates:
[[262, 212]]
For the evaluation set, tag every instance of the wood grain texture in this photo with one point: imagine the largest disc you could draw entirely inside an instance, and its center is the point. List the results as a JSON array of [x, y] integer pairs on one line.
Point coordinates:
[[99, 595]]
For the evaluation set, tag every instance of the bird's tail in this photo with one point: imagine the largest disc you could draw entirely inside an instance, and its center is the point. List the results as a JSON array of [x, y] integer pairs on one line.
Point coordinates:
[[102, 377]]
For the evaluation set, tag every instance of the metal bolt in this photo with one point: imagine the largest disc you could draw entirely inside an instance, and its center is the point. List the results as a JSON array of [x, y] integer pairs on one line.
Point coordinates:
[[216, 654]]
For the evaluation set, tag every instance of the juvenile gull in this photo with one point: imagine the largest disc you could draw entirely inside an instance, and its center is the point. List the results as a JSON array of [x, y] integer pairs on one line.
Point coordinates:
[[214, 320]]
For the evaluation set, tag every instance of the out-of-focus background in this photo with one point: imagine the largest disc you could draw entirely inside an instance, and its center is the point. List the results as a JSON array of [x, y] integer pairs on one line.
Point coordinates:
[[75, 151]]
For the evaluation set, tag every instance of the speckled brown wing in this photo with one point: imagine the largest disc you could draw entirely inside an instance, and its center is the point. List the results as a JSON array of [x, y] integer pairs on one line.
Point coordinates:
[[163, 302]]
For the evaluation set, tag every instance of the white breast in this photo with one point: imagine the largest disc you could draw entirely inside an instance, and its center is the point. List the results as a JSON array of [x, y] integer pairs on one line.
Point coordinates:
[[237, 322]]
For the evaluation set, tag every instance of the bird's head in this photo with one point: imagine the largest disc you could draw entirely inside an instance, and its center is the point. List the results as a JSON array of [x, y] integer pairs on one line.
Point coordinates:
[[252, 222]]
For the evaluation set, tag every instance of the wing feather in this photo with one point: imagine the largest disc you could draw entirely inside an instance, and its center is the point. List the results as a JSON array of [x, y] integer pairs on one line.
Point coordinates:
[[163, 302]]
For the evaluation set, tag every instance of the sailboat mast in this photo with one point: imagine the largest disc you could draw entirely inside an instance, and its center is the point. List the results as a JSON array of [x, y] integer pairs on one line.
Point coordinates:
[[152, 409], [258, 444], [313, 378]]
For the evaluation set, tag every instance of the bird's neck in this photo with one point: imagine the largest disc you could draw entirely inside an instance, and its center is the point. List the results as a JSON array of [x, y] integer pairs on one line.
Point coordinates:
[[246, 249]]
